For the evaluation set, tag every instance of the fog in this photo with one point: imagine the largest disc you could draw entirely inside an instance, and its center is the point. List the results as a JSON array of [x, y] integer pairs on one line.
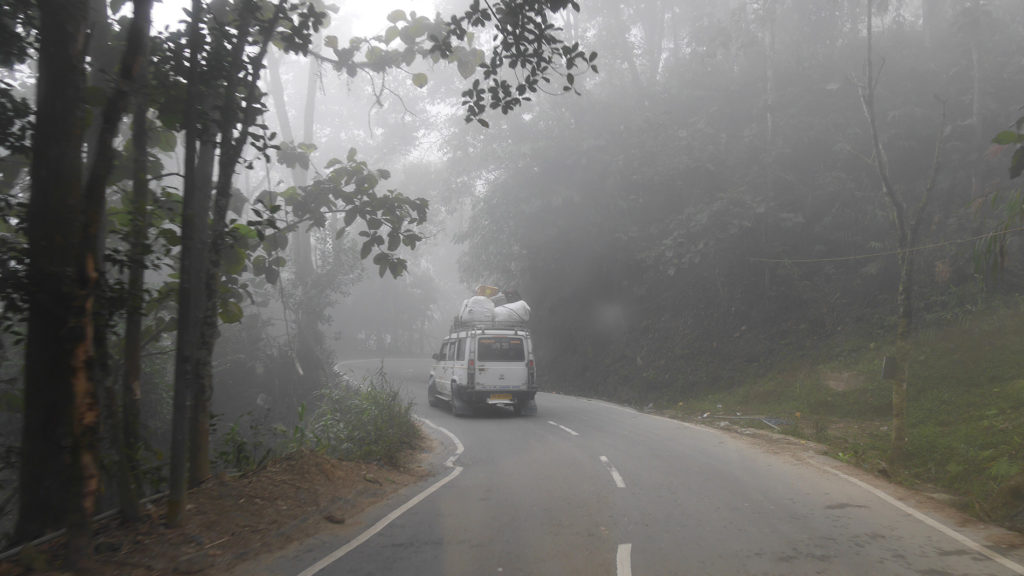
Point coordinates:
[[721, 190], [708, 196]]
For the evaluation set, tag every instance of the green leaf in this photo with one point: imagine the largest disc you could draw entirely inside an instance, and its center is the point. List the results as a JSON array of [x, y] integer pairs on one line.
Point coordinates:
[[245, 231], [1017, 164], [272, 275], [1007, 137], [419, 79], [390, 34], [467, 61], [396, 267], [331, 41], [259, 265], [230, 312], [166, 141], [365, 250], [232, 261], [169, 236], [397, 16]]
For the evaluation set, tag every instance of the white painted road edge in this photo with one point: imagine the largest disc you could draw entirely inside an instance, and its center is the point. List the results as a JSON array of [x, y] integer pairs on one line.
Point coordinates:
[[995, 556], [569, 430], [383, 522], [615, 473], [623, 565]]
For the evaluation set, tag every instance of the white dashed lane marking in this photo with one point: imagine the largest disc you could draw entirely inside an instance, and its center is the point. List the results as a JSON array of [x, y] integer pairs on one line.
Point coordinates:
[[615, 473], [569, 430], [622, 562]]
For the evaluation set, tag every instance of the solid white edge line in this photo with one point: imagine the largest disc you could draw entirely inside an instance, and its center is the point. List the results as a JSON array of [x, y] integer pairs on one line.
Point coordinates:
[[995, 556], [383, 522], [615, 473], [569, 430], [634, 411], [623, 565]]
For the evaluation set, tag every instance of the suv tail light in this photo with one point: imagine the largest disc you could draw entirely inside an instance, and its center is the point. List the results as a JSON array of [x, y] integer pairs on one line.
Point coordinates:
[[471, 373]]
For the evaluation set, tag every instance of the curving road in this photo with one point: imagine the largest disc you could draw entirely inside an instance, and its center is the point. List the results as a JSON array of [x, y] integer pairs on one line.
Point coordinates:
[[589, 488]]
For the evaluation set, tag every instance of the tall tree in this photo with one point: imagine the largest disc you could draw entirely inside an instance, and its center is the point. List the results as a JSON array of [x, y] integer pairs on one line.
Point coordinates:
[[59, 423], [907, 220], [192, 284]]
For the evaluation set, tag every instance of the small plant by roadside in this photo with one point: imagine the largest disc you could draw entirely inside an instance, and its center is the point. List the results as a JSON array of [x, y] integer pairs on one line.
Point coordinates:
[[366, 421]]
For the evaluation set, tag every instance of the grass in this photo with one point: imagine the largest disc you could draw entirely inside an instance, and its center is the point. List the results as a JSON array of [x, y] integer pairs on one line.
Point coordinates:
[[965, 414]]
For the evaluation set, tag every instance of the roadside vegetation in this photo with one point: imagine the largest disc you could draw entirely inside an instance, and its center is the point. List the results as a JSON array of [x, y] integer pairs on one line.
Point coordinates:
[[362, 421], [965, 400]]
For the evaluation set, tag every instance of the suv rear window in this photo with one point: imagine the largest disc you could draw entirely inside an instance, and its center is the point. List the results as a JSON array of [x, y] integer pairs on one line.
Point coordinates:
[[500, 349]]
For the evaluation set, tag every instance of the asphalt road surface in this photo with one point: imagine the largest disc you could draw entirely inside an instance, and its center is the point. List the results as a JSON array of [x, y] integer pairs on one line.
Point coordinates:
[[589, 488]]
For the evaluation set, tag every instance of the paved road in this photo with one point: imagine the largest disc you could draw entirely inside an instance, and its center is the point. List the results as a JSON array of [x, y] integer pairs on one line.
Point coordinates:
[[589, 488]]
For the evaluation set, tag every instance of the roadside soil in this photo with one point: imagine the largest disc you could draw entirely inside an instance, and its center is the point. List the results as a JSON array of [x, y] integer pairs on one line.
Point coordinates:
[[231, 519]]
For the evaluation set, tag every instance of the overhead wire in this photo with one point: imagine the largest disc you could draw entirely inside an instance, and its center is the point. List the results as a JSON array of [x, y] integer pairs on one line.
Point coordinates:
[[888, 252]]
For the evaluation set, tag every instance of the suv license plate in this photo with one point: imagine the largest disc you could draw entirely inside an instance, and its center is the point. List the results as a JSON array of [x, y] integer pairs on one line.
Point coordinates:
[[500, 398]]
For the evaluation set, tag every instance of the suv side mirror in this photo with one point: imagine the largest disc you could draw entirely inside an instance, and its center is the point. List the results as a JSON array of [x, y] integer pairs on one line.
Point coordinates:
[[435, 356]]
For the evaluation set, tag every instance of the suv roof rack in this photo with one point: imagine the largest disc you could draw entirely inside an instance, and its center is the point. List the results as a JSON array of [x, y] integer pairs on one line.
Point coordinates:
[[489, 324]]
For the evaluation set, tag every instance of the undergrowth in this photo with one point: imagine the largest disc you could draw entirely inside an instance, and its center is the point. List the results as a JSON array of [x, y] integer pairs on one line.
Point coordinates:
[[365, 421]]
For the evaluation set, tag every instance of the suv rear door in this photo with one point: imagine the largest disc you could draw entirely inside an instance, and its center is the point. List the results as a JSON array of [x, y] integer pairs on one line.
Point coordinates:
[[501, 361]]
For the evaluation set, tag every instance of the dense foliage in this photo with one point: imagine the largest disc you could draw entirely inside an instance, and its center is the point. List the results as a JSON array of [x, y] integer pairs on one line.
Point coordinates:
[[713, 204]]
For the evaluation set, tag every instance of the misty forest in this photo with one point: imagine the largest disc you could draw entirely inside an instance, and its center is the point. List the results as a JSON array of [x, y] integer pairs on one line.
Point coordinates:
[[803, 209]]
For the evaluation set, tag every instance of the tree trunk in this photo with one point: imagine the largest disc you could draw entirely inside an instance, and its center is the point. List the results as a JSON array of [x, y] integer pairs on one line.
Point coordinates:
[[301, 253], [202, 391], [59, 471], [934, 15], [903, 231], [769, 70], [191, 288], [897, 451], [240, 114], [94, 233], [126, 423], [131, 393], [652, 20]]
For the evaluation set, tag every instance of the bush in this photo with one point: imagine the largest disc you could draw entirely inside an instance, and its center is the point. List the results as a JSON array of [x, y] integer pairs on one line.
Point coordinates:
[[365, 421]]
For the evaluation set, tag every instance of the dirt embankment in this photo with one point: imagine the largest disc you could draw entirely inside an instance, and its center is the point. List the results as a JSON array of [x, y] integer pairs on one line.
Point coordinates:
[[230, 519]]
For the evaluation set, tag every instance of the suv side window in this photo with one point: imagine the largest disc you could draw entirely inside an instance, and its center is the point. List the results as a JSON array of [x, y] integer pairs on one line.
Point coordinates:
[[461, 353], [451, 349], [443, 354]]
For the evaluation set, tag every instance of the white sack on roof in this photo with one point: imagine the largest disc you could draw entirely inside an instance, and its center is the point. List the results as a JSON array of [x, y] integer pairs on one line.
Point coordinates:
[[514, 312], [477, 309]]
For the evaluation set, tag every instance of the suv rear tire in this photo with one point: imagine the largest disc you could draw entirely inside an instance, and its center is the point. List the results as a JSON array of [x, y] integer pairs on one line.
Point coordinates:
[[432, 395]]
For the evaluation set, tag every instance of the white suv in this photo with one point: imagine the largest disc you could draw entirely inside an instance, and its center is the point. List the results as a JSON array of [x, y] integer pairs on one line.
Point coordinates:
[[488, 363]]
